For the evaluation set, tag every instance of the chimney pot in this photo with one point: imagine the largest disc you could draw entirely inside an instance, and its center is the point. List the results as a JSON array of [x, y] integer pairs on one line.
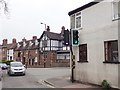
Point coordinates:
[[34, 37], [48, 28], [4, 41], [24, 40], [62, 31], [14, 40]]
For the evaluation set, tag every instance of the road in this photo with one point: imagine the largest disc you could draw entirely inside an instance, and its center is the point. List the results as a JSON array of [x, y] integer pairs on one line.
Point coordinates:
[[33, 75]]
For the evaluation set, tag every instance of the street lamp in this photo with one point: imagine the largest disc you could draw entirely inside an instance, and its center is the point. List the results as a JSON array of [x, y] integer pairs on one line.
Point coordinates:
[[43, 24], [44, 47]]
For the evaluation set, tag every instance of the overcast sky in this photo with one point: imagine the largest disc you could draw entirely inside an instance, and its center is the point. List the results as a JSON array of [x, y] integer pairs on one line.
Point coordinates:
[[25, 17]]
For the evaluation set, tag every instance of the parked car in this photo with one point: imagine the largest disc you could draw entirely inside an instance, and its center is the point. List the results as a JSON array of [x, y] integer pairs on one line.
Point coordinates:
[[3, 66], [16, 68]]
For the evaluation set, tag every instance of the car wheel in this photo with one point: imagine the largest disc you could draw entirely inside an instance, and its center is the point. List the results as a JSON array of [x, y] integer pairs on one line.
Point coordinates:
[[24, 74], [9, 73]]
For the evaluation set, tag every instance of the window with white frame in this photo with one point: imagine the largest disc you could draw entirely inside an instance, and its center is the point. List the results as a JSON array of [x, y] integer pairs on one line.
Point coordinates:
[[116, 9], [36, 51], [76, 21], [111, 51], [30, 43], [72, 21]]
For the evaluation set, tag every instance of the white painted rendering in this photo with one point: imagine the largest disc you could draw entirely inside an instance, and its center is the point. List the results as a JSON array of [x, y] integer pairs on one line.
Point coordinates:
[[97, 26], [10, 54]]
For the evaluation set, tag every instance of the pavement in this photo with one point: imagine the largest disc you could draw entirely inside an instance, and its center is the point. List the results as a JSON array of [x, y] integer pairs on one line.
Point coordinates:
[[64, 82]]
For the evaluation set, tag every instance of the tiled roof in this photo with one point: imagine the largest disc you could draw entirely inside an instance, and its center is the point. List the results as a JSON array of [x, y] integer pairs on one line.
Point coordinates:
[[12, 46], [52, 36], [9, 45], [27, 46]]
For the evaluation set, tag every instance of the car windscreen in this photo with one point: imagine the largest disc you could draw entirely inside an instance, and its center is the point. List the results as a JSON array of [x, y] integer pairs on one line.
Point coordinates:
[[16, 64]]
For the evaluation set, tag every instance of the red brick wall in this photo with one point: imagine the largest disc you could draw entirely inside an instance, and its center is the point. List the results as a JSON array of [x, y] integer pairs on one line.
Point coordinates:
[[1, 54]]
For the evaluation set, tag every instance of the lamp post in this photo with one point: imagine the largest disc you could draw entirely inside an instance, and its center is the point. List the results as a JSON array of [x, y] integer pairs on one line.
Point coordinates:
[[43, 24], [44, 46]]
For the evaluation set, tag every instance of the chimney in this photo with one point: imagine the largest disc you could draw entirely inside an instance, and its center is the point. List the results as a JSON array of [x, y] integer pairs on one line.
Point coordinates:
[[34, 38], [13, 40], [48, 28], [62, 30], [24, 40], [4, 41]]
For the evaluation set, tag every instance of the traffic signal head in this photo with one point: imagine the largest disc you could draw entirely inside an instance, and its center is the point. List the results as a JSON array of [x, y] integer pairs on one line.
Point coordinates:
[[66, 37], [75, 37]]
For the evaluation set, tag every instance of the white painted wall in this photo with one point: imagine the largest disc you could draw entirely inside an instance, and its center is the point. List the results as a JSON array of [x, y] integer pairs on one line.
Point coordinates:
[[97, 27], [54, 44], [10, 54]]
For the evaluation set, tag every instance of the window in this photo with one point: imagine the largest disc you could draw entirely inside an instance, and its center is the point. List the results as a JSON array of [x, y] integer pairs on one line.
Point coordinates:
[[72, 22], [111, 51], [36, 51], [78, 20], [45, 55], [83, 53], [116, 9]]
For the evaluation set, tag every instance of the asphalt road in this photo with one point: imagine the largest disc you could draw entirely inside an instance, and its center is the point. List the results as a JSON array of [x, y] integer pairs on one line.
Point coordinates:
[[33, 75]]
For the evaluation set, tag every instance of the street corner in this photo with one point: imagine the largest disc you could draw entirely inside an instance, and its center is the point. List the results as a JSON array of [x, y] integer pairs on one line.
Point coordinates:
[[58, 82], [46, 83]]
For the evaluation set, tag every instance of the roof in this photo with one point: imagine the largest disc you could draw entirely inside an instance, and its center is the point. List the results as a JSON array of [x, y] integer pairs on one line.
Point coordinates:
[[9, 45], [27, 46], [12, 46], [52, 35], [84, 7]]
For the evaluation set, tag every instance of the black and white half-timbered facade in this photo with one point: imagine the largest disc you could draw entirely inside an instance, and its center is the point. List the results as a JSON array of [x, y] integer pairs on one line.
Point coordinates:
[[52, 50]]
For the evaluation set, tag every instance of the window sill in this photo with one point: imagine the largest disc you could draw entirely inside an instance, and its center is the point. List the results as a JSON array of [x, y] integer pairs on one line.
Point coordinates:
[[80, 28], [116, 19], [110, 62], [82, 61]]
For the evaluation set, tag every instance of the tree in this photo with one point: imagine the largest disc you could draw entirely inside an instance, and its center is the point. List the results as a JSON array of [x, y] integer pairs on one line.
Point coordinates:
[[3, 6]]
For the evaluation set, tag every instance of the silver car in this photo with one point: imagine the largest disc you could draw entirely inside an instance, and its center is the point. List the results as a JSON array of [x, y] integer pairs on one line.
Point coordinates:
[[16, 68]]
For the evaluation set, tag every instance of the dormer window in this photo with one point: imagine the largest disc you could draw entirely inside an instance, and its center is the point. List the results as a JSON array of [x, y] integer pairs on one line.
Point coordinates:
[[18, 45], [30, 43], [24, 44], [36, 42]]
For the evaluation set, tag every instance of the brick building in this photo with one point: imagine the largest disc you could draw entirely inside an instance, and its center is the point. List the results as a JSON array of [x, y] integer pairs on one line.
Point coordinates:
[[4, 49], [27, 51], [0, 52]]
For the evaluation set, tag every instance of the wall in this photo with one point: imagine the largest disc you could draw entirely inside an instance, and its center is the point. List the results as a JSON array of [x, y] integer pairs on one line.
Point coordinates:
[[0, 53], [97, 27], [10, 54]]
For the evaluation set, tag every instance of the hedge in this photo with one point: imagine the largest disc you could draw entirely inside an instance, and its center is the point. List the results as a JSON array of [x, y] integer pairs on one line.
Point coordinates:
[[6, 61]]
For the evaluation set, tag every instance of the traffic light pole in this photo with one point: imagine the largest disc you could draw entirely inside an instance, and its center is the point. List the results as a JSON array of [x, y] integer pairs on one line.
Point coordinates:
[[72, 64]]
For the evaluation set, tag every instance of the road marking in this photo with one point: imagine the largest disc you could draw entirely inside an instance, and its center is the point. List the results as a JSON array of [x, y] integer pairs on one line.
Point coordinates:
[[43, 82]]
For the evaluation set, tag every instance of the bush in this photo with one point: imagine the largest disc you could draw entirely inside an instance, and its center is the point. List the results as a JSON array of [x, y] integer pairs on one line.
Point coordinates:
[[6, 61], [105, 84]]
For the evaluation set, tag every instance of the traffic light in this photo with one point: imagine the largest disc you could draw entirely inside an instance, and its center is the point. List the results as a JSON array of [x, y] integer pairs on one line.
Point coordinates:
[[66, 37], [75, 37]]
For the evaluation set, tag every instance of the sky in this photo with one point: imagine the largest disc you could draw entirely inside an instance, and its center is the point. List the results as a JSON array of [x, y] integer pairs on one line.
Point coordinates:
[[25, 17]]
